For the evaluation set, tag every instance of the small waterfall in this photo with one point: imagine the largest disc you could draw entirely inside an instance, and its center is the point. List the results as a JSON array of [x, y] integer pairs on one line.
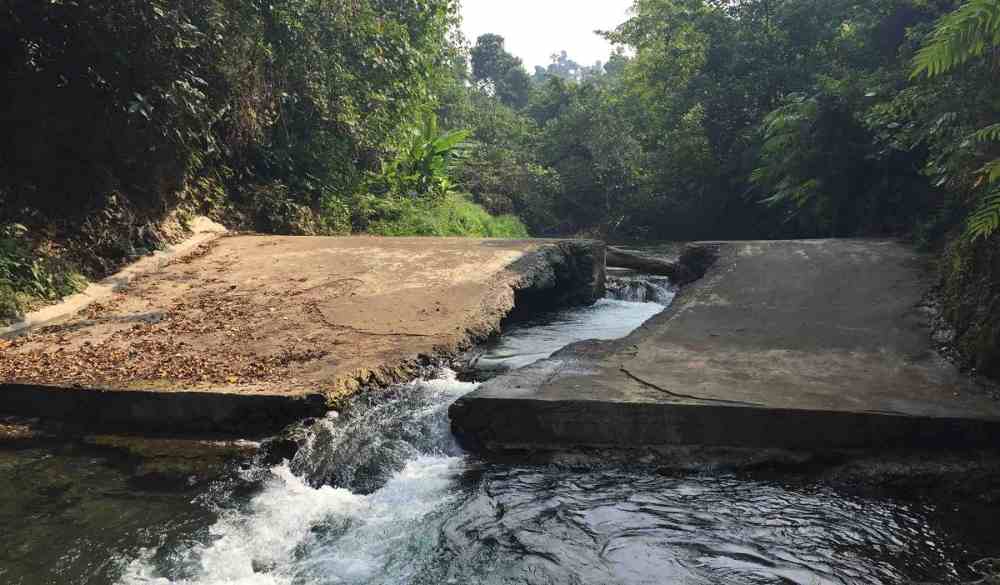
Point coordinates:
[[640, 288], [358, 503], [383, 495]]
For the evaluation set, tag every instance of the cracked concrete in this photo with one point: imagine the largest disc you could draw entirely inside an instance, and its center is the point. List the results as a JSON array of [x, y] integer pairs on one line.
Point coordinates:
[[788, 344], [248, 325]]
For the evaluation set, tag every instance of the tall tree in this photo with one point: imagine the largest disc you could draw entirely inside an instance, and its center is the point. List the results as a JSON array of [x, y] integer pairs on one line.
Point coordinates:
[[500, 72]]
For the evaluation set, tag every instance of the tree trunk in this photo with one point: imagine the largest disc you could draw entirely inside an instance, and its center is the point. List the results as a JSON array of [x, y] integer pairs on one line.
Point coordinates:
[[692, 264]]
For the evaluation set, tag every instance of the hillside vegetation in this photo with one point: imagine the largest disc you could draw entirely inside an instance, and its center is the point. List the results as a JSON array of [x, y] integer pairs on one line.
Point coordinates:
[[715, 119]]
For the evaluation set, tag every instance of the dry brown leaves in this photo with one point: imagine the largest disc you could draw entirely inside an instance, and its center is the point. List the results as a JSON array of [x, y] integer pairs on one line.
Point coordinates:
[[207, 339], [199, 252]]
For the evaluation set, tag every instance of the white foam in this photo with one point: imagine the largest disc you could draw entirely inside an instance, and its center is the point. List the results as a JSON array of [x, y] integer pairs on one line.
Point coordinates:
[[446, 383], [371, 548], [274, 540]]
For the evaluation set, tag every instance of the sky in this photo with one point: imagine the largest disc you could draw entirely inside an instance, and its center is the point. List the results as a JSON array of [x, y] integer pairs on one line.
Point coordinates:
[[535, 29]]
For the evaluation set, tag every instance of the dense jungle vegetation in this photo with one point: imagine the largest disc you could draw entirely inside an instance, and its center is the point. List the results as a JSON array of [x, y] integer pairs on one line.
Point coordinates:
[[715, 119]]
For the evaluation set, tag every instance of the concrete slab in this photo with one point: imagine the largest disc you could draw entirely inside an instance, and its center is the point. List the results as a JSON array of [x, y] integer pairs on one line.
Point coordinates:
[[301, 320], [791, 344]]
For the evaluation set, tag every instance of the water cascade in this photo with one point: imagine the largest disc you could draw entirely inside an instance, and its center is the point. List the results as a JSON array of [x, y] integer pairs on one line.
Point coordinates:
[[641, 288], [381, 493]]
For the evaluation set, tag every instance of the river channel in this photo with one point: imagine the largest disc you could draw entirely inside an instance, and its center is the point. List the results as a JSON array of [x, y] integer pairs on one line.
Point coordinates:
[[381, 493]]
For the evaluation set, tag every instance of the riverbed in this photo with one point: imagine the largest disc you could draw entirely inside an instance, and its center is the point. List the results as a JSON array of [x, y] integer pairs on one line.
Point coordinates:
[[381, 493]]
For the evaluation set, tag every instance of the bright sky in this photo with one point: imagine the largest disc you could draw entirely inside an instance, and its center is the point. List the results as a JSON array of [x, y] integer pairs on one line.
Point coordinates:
[[535, 29]]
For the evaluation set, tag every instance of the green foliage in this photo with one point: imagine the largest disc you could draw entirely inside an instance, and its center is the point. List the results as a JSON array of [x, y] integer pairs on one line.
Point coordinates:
[[594, 149], [452, 215], [960, 36], [970, 300], [786, 131], [425, 163], [501, 73], [816, 166], [296, 98], [308, 116], [503, 171], [26, 273], [988, 134], [734, 63], [985, 219], [567, 69]]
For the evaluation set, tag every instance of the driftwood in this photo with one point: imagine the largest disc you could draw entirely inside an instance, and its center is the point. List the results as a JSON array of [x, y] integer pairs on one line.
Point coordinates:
[[620, 258], [692, 264]]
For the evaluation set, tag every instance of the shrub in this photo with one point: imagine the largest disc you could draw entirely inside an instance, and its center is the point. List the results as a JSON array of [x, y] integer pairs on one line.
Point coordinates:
[[452, 215], [26, 273]]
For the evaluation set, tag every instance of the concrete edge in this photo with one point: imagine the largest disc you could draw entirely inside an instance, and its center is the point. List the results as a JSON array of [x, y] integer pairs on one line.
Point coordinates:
[[497, 424], [551, 268], [552, 272], [160, 413], [494, 424], [204, 231]]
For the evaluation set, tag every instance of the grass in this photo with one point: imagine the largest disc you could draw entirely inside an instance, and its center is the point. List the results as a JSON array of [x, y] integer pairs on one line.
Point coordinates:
[[29, 277], [453, 215]]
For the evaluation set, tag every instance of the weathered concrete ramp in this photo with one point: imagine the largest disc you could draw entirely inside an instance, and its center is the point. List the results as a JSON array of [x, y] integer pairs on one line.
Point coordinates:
[[793, 344], [250, 332]]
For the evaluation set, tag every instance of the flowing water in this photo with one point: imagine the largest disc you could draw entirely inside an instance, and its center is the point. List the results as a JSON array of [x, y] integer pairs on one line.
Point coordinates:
[[382, 494], [631, 300]]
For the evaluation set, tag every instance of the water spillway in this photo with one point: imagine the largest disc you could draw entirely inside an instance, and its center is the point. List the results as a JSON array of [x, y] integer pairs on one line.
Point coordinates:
[[382, 493], [804, 345], [641, 288], [631, 299]]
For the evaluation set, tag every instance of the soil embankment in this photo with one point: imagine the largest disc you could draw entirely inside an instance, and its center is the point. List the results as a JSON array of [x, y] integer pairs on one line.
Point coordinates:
[[247, 333]]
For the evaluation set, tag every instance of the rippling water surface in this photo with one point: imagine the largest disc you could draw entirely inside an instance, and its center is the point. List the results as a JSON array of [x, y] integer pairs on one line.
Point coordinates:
[[382, 494]]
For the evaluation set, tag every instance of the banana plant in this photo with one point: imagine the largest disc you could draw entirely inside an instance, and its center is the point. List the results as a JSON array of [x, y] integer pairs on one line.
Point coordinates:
[[426, 160]]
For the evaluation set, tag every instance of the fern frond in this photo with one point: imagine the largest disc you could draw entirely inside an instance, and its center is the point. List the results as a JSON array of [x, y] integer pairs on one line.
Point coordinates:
[[960, 36], [985, 220], [990, 172], [988, 134]]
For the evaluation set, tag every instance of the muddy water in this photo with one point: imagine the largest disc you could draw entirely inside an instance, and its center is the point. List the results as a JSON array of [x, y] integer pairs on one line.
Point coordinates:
[[382, 494]]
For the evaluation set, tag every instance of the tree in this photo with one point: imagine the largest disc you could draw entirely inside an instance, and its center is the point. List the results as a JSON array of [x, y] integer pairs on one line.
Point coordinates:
[[595, 151], [275, 106], [970, 32], [565, 68], [502, 73]]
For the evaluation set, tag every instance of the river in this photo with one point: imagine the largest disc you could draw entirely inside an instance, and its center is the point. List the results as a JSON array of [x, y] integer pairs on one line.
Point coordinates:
[[381, 493]]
